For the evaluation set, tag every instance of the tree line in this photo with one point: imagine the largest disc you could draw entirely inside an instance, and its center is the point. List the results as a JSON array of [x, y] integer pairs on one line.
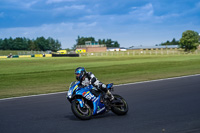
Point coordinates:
[[107, 42], [189, 41], [173, 42], [22, 43]]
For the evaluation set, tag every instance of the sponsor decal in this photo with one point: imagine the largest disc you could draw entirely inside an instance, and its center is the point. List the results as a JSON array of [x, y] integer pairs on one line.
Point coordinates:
[[75, 87], [96, 99], [89, 96], [99, 110]]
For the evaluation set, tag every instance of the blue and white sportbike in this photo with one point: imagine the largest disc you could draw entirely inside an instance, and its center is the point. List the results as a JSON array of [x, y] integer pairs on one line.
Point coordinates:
[[88, 101]]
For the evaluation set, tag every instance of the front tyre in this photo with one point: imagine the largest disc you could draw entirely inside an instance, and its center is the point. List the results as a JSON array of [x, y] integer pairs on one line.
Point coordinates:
[[83, 113], [120, 107]]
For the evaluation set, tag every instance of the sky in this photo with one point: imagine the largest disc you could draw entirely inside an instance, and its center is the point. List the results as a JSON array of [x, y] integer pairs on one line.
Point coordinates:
[[130, 22]]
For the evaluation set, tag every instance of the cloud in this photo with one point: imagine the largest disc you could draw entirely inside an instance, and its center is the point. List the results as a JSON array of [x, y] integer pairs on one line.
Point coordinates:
[[19, 4], [146, 13], [142, 13], [29, 4], [165, 17], [120, 20], [70, 11], [58, 1], [78, 7], [72, 7]]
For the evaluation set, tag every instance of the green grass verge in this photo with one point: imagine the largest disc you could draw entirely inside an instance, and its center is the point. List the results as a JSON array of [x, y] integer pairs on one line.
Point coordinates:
[[30, 76]]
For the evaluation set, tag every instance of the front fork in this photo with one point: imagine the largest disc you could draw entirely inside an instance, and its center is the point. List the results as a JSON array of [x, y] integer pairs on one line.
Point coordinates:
[[81, 102]]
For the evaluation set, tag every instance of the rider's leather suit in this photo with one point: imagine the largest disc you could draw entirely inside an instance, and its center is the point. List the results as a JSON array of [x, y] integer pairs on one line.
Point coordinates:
[[89, 78]]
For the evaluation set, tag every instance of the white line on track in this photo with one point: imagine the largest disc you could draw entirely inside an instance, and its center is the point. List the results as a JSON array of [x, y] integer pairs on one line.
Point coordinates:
[[159, 80], [114, 85]]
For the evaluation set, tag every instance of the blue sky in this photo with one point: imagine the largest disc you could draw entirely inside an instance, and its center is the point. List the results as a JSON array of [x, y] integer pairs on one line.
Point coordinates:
[[130, 22]]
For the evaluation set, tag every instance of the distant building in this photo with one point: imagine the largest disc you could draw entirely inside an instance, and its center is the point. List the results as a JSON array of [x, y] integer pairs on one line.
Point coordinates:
[[153, 47], [80, 50], [91, 47], [91, 43], [62, 52], [116, 49]]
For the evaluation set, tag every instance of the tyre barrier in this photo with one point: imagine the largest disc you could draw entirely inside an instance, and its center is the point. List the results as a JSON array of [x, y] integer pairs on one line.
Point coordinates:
[[24, 56], [3, 57], [41, 55], [65, 55]]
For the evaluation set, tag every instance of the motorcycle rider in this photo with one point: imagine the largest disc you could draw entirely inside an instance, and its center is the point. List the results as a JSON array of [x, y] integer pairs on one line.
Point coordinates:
[[87, 78]]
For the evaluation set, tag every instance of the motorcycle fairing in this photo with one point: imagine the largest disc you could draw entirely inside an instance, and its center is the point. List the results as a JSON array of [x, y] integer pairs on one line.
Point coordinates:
[[98, 107]]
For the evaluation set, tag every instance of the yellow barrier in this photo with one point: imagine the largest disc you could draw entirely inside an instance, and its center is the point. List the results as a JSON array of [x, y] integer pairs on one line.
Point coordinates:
[[3, 56], [24, 56], [48, 55], [38, 55], [80, 51]]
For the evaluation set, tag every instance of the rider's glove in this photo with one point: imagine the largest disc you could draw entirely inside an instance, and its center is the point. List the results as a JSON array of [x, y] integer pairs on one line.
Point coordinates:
[[103, 86]]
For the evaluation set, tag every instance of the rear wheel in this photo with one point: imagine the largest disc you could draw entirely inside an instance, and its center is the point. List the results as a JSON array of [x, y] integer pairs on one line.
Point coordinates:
[[83, 113], [121, 107]]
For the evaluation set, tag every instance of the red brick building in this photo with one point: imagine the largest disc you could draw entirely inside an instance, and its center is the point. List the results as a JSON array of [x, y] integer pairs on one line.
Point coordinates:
[[92, 47]]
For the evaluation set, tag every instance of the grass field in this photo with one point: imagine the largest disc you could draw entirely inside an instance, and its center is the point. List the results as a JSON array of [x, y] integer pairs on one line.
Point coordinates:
[[29, 76]]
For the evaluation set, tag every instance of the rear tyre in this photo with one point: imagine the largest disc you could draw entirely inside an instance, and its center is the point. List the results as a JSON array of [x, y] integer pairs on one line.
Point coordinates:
[[122, 107], [84, 113]]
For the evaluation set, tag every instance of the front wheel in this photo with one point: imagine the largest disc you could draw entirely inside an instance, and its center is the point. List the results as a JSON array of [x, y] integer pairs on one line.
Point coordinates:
[[83, 113], [120, 107]]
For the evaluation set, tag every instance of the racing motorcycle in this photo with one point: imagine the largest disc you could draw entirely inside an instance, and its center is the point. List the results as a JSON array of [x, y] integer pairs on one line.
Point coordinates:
[[88, 101]]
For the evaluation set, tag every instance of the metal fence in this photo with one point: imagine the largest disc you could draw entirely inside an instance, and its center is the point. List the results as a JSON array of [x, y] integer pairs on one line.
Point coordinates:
[[134, 53], [33, 52]]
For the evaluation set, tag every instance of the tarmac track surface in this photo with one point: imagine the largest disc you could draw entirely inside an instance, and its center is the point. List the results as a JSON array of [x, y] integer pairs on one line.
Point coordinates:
[[165, 106]]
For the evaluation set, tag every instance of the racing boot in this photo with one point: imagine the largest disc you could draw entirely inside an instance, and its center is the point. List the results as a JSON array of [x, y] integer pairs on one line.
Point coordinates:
[[110, 95]]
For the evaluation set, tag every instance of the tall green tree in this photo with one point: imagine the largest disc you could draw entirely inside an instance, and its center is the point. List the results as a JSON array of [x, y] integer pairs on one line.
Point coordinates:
[[103, 41], [189, 40], [24, 43], [82, 40], [116, 44], [32, 45], [99, 41], [173, 42], [42, 43], [5, 44], [1, 43], [108, 42], [10, 43], [56, 46], [20, 43], [51, 42]]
